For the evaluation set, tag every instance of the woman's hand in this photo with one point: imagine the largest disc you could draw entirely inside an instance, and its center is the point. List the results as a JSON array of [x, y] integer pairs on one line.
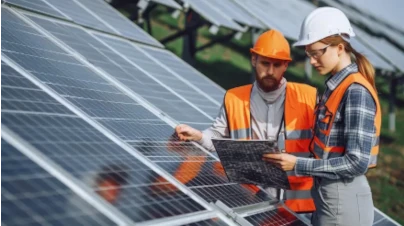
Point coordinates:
[[284, 161]]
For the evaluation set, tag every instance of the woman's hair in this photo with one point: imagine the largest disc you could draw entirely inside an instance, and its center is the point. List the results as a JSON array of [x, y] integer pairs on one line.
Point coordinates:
[[364, 66]]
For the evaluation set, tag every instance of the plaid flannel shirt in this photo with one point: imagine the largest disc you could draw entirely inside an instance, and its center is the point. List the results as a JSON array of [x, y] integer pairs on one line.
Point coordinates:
[[353, 129]]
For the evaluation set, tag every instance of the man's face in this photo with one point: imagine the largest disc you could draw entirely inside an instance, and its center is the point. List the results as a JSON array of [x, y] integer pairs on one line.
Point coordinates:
[[268, 71]]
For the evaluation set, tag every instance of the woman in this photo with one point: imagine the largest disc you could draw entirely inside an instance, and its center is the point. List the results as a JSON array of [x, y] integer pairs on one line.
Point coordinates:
[[347, 125]]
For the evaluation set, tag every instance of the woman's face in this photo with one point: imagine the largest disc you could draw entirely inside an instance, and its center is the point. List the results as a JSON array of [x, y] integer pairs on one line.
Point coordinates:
[[324, 58]]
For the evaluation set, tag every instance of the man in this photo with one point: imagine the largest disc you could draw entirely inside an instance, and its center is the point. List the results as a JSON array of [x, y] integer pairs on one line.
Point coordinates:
[[271, 108]]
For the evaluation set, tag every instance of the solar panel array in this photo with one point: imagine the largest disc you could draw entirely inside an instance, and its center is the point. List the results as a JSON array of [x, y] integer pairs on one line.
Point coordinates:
[[81, 103], [88, 95]]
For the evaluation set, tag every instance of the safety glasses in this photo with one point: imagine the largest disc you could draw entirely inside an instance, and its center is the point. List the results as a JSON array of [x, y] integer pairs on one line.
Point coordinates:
[[317, 53]]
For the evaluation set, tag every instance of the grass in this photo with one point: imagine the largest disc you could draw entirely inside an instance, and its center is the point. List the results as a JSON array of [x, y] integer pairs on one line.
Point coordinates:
[[228, 64]]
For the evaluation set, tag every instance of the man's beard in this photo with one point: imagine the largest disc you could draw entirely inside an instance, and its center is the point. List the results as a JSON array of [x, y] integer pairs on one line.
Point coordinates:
[[274, 84]]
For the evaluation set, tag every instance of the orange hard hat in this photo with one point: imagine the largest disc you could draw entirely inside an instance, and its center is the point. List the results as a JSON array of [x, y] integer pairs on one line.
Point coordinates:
[[272, 44]]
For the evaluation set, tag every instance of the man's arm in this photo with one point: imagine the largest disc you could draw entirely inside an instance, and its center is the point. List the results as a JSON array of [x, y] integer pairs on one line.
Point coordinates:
[[218, 129]]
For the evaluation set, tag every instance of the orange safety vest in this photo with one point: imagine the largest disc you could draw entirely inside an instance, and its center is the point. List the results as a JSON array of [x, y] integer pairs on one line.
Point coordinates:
[[298, 120], [320, 146]]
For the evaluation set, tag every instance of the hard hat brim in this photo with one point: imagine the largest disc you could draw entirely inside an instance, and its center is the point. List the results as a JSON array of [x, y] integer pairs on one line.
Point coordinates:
[[270, 56], [302, 43]]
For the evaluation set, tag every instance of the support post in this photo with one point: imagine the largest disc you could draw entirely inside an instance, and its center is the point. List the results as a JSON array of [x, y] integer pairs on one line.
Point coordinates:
[[192, 22], [146, 15], [392, 105]]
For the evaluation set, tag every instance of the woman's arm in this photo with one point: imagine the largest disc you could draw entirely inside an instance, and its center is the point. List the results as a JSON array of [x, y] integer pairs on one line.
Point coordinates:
[[359, 115]]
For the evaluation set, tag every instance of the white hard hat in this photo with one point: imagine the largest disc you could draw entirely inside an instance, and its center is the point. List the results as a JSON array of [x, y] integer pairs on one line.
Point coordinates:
[[321, 23]]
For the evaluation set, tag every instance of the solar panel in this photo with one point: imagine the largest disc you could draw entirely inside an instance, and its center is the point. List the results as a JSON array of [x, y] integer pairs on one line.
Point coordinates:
[[128, 74], [194, 96], [237, 13], [383, 47], [376, 60], [118, 22], [269, 16], [212, 14], [79, 14], [169, 3], [94, 96], [188, 73], [388, 13], [39, 6], [85, 153]]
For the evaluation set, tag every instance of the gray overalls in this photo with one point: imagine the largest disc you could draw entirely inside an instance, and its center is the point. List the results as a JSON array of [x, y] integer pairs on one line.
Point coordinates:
[[345, 202]]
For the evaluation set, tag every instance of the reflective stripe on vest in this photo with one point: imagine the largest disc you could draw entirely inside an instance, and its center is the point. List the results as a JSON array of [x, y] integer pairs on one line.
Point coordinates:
[[299, 134], [241, 134], [294, 138], [320, 146]]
